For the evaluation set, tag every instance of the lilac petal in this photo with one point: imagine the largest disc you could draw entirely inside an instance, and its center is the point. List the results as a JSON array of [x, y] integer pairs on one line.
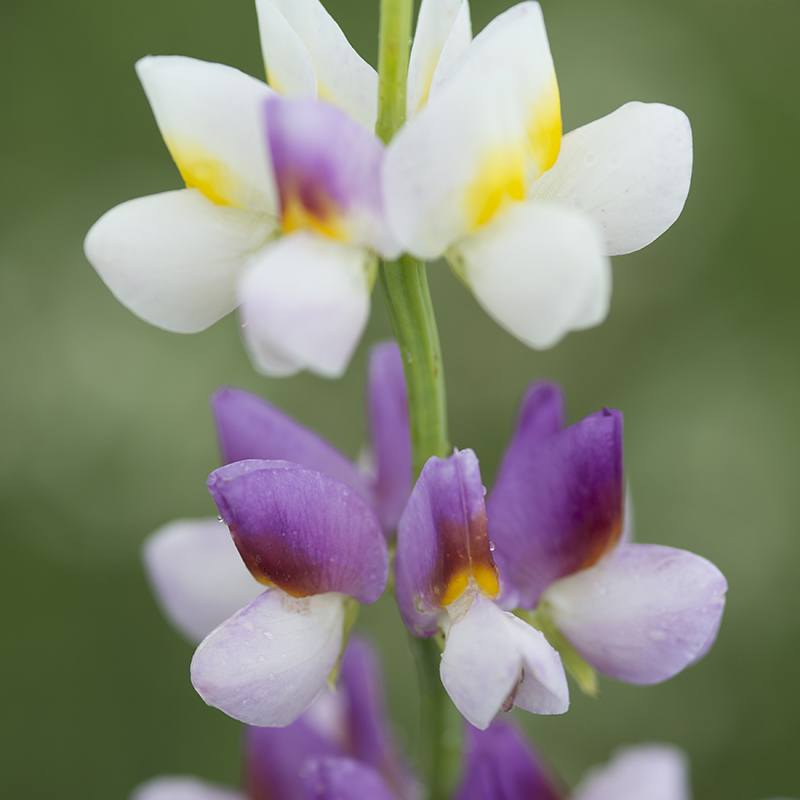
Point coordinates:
[[501, 766], [301, 530], [267, 664], [657, 772], [344, 779], [643, 613], [557, 506], [197, 575], [179, 787], [328, 173], [442, 541], [387, 403], [251, 428]]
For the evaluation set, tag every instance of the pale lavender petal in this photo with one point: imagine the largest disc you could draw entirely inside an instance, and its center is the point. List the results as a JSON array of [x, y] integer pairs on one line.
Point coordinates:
[[251, 428], [387, 403], [179, 787], [345, 779], [301, 530], [657, 772], [557, 505], [501, 766], [328, 172], [643, 613], [442, 541]]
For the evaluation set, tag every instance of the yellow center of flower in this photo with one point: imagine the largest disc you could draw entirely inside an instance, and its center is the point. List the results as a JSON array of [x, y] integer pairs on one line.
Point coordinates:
[[545, 129], [500, 179], [202, 171], [484, 576], [324, 220]]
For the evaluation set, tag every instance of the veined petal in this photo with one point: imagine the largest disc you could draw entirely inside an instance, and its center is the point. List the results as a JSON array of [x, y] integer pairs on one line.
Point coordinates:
[[557, 505], [305, 299], [387, 404], [539, 270], [210, 118], [249, 427], [197, 576], [266, 664], [179, 787], [630, 170], [174, 258], [657, 772], [301, 530], [643, 613], [443, 544], [495, 125], [343, 78], [492, 660], [501, 766], [328, 173], [344, 779], [444, 31]]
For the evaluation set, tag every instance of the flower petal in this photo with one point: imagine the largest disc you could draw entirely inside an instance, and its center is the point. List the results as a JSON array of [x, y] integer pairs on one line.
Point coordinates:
[[210, 118], [266, 664], [492, 659], [249, 427], [444, 31], [657, 772], [344, 779], [180, 787], [539, 271], [174, 258], [643, 613], [387, 404], [443, 541], [306, 300], [557, 504], [328, 173], [343, 78], [501, 766], [630, 170], [301, 530], [197, 575], [290, 70], [495, 125]]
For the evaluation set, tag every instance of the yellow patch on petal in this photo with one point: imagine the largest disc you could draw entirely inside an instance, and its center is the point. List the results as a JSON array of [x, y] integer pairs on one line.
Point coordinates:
[[202, 171], [545, 129], [484, 576], [500, 180], [296, 217]]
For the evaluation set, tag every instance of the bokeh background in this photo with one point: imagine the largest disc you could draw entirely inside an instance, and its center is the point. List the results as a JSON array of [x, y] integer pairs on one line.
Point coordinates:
[[106, 431]]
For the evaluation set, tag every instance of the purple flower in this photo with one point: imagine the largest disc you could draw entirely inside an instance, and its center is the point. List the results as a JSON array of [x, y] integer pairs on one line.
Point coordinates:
[[349, 723], [639, 613], [447, 581]]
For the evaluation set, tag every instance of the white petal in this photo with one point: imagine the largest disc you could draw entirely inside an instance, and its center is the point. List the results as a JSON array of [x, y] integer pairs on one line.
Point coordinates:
[[212, 120], [197, 575], [495, 124], [444, 31], [489, 655], [539, 270], [305, 302], [267, 664], [183, 788], [630, 170], [174, 258], [656, 772], [342, 76], [290, 70]]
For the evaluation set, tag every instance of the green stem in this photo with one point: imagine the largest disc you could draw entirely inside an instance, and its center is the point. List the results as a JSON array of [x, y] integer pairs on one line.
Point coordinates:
[[408, 298]]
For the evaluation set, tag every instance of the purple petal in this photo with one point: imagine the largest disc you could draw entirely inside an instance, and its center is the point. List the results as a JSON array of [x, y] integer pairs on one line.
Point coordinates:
[[387, 402], [250, 428], [501, 766], [328, 172], [643, 613], [345, 779], [301, 530], [443, 541], [557, 506]]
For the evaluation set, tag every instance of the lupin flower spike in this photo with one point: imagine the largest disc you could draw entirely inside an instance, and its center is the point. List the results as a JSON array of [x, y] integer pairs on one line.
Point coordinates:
[[447, 582], [528, 219], [639, 613]]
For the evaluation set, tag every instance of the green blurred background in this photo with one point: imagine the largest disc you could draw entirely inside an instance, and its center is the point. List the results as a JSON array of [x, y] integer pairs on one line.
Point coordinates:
[[107, 434]]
